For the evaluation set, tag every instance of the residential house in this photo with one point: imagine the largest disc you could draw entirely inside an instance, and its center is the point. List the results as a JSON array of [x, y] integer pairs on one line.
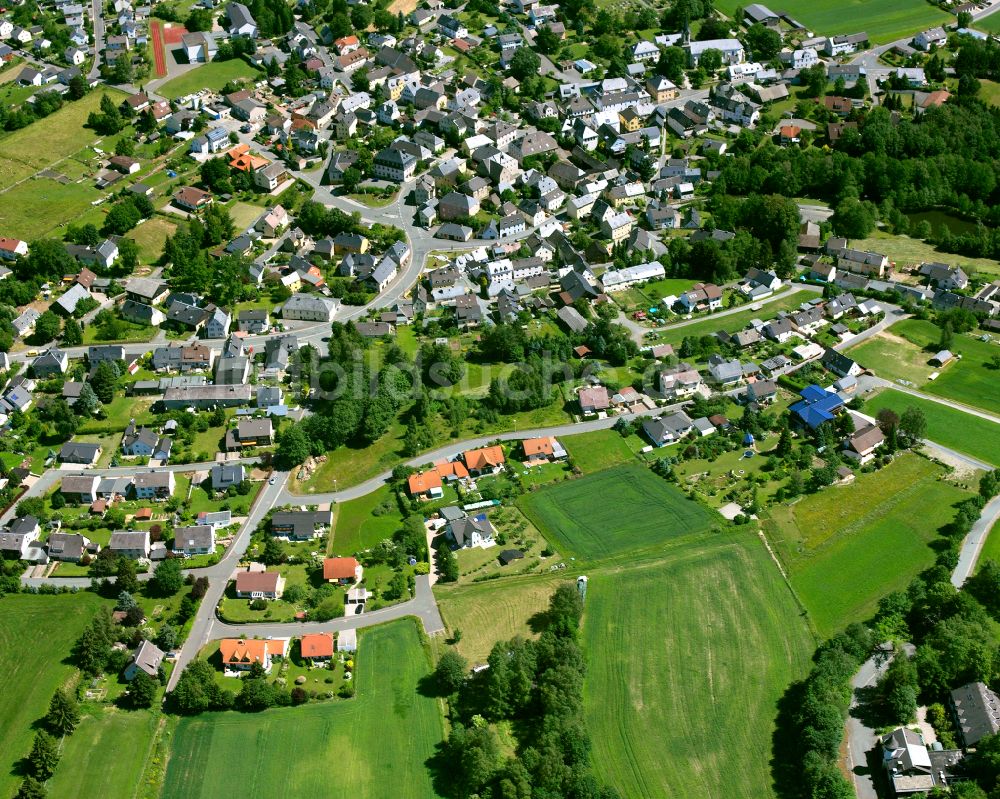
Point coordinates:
[[299, 525], [862, 443], [239, 654], [593, 399], [840, 364], [130, 544], [667, 429], [255, 321], [79, 488], [976, 710], [17, 539], [486, 460], [342, 571], [154, 485], [310, 307], [544, 449], [196, 539], [466, 532], [146, 658], [240, 20], [316, 647], [250, 433], [680, 381], [259, 585], [69, 547], [816, 406], [226, 475], [50, 363], [80, 452]]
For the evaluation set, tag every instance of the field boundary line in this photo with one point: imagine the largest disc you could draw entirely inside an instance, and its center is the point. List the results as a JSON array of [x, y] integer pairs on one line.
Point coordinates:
[[762, 537], [161, 722]]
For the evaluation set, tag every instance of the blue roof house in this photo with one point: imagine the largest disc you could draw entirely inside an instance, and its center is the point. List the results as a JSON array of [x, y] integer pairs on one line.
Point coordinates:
[[816, 406]]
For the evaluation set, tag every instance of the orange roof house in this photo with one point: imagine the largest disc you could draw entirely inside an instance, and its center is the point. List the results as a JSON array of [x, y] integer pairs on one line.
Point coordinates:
[[790, 133], [317, 645], [428, 483], [342, 570], [248, 162], [237, 151], [485, 459], [241, 653], [454, 469], [538, 446]]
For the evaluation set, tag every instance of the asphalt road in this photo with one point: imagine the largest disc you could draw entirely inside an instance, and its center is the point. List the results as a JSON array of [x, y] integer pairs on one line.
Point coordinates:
[[861, 739], [968, 556], [454, 448], [218, 576]]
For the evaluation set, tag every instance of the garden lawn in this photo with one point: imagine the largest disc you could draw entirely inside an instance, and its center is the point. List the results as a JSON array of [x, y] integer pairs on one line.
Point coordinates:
[[613, 512], [847, 546], [41, 144], [213, 76], [598, 450], [494, 610], [946, 426], [686, 660], [971, 380], [105, 755], [37, 634], [150, 236], [357, 528], [883, 20], [375, 745]]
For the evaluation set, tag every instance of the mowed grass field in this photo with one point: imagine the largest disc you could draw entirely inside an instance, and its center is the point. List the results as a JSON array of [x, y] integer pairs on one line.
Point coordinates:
[[847, 546], [686, 661], [375, 745], [37, 634], [495, 610], [883, 20], [903, 350], [213, 76], [613, 512], [105, 756], [355, 527], [58, 136], [598, 450], [954, 429]]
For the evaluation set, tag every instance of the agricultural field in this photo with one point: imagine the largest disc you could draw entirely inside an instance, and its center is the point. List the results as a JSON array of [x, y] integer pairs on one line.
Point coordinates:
[[902, 353], [946, 426], [613, 512], [695, 670], [834, 543], [37, 634], [105, 755], [884, 21], [213, 76], [375, 745], [494, 610]]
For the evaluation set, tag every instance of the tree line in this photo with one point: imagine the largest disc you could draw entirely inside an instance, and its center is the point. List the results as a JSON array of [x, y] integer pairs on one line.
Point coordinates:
[[536, 686]]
